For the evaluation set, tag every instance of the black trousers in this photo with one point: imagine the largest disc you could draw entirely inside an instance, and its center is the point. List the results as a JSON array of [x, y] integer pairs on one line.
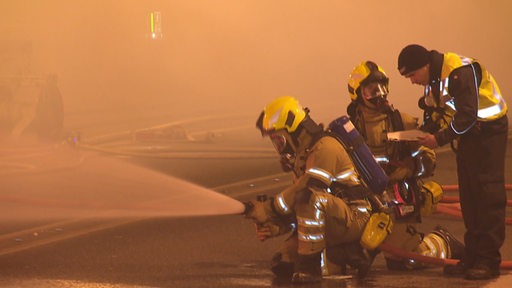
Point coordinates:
[[483, 199]]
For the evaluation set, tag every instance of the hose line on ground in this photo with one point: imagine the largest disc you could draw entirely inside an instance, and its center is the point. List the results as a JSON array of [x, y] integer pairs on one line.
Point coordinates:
[[449, 206]]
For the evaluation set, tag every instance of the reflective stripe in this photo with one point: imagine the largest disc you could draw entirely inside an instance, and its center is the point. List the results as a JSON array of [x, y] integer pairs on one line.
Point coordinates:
[[421, 171], [318, 215], [451, 104], [322, 174], [496, 108], [419, 159], [491, 111], [308, 222], [478, 105], [346, 176], [319, 220], [305, 225], [444, 87], [323, 263], [363, 209], [320, 201], [281, 204], [382, 159], [436, 246], [311, 237]]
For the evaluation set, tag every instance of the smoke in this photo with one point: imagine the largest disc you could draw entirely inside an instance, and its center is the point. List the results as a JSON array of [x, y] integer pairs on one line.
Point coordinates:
[[226, 56], [215, 58]]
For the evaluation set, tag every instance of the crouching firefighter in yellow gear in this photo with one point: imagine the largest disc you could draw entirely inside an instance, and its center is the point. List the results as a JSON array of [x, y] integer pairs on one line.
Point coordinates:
[[407, 165], [320, 222]]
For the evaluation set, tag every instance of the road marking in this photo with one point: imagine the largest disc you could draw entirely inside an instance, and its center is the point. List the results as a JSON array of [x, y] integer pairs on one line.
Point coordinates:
[[255, 185], [53, 232]]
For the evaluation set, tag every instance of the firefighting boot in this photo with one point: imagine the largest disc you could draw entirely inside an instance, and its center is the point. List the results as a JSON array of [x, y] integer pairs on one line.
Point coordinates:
[[455, 247], [280, 268], [308, 269], [482, 271], [359, 258], [282, 263], [363, 267], [353, 255], [458, 269]]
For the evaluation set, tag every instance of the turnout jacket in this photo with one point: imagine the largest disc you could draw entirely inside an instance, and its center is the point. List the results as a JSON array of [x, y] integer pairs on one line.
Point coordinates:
[[308, 205], [326, 162], [374, 125]]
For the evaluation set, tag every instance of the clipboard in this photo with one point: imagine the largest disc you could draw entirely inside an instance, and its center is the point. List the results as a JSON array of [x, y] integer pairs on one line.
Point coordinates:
[[407, 135]]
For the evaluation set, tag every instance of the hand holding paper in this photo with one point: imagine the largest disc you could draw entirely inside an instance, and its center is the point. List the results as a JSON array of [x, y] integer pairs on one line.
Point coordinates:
[[429, 141]]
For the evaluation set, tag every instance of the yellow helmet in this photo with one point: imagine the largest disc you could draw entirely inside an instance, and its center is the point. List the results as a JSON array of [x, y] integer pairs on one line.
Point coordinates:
[[364, 73], [282, 113]]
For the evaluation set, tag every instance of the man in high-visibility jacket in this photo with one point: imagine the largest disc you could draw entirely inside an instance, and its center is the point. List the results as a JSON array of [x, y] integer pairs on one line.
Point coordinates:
[[464, 89]]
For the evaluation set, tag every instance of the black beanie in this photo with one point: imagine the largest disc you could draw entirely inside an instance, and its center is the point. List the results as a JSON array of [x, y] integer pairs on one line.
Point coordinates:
[[412, 57]]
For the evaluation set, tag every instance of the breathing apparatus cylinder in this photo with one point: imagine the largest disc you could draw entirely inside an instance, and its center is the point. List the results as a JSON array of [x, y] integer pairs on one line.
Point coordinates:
[[373, 176], [365, 164]]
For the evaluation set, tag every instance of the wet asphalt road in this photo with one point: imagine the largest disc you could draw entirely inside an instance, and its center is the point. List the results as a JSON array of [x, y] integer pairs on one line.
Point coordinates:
[[213, 251]]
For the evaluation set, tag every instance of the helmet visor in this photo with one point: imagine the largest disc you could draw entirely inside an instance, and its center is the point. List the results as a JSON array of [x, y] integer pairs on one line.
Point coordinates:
[[374, 90], [279, 142]]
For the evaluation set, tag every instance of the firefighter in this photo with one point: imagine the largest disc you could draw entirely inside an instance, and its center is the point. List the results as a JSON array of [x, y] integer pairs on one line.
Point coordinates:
[[468, 92], [317, 219], [407, 165]]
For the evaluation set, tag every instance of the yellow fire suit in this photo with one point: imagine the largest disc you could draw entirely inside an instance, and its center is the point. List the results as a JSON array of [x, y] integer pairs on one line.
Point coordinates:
[[405, 163], [323, 220]]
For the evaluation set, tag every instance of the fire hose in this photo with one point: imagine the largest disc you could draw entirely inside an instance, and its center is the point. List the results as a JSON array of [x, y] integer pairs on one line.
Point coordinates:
[[449, 206], [451, 209]]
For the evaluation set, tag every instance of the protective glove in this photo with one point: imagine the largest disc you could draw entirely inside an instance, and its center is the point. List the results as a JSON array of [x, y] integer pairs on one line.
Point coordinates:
[[258, 211], [266, 230]]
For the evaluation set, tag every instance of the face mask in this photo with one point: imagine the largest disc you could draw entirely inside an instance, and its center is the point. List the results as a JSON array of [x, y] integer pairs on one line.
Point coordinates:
[[374, 90], [381, 104], [284, 149], [281, 143]]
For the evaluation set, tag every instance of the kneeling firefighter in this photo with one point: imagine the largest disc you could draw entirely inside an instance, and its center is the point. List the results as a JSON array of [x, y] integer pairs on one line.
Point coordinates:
[[407, 164], [320, 222]]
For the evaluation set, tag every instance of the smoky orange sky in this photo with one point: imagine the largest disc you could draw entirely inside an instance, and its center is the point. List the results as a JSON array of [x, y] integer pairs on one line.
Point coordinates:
[[228, 56]]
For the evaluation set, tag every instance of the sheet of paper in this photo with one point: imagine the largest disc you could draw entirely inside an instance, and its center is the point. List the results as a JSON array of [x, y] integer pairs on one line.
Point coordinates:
[[407, 135]]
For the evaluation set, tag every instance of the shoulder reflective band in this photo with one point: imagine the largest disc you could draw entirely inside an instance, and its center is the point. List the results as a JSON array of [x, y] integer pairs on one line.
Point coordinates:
[[321, 175], [347, 175]]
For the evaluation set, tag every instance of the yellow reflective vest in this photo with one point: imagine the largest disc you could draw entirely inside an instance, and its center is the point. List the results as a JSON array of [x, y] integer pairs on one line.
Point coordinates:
[[491, 105]]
